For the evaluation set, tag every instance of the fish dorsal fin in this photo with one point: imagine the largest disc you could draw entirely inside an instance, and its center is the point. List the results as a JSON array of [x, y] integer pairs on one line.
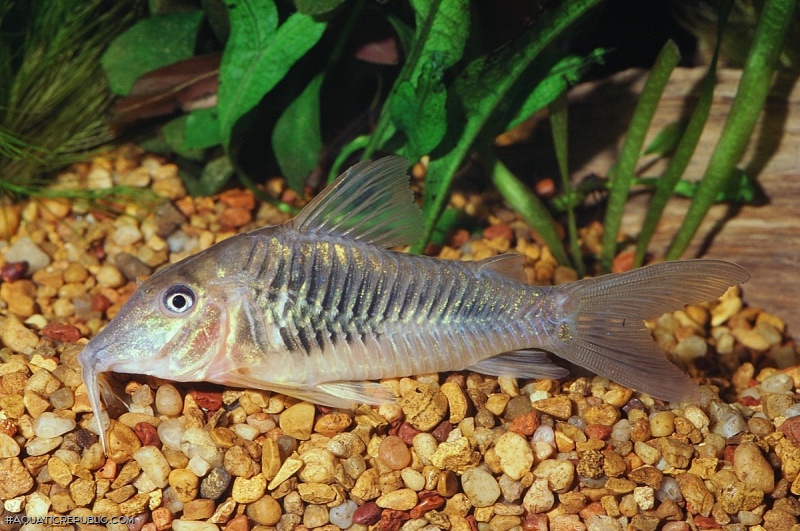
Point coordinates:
[[507, 265], [371, 202]]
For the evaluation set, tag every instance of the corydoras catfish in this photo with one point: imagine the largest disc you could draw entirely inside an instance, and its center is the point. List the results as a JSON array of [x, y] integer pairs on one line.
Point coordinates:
[[317, 307]]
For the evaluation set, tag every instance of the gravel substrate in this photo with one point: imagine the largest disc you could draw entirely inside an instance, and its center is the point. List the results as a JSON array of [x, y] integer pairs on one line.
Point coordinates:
[[459, 451]]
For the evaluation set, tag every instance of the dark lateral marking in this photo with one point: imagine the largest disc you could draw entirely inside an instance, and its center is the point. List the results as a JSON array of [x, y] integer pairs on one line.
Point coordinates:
[[333, 282], [347, 289], [362, 294], [315, 277], [289, 340], [393, 296], [297, 272], [279, 281], [305, 338]]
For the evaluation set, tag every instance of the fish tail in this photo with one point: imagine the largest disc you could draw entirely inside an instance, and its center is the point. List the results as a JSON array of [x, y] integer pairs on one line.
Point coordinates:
[[602, 326]]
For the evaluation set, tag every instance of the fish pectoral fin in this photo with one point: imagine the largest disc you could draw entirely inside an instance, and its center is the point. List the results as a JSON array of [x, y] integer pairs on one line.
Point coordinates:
[[356, 393], [113, 395], [507, 265], [345, 395], [371, 202], [520, 364]]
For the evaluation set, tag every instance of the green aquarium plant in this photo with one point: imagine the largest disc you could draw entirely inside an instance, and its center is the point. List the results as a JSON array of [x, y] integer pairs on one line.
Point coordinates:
[[448, 97], [54, 97]]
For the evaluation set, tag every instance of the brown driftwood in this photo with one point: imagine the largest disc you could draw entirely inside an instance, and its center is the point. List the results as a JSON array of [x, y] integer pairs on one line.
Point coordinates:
[[765, 237]]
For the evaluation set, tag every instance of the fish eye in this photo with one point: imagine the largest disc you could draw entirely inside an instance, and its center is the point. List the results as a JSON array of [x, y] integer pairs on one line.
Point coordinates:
[[178, 299]]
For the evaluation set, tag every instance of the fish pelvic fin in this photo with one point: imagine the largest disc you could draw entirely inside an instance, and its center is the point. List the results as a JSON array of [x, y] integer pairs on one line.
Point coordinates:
[[602, 327]]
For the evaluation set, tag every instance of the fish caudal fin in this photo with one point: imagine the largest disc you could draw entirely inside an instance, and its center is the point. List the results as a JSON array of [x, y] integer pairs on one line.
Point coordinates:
[[603, 328]]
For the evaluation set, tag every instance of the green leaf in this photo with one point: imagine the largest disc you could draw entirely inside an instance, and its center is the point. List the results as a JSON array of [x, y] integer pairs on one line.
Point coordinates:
[[419, 111], [150, 44], [527, 204], [441, 34], [297, 139], [191, 133], [687, 144], [666, 140], [450, 220], [174, 133], [257, 57], [405, 33], [736, 190], [631, 148], [442, 29], [558, 128], [317, 7], [202, 128], [565, 73], [213, 177], [751, 94], [358, 143], [480, 91]]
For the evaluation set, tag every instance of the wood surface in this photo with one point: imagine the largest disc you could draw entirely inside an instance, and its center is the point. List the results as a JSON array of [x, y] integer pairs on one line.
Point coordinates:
[[762, 237]]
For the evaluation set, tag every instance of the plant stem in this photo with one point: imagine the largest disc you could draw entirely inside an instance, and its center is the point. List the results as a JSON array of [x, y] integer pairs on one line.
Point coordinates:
[[558, 126], [750, 97], [645, 108], [665, 186], [526, 203]]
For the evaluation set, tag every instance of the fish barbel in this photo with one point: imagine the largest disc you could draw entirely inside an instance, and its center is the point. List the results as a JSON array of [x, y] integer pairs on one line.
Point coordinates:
[[318, 306]]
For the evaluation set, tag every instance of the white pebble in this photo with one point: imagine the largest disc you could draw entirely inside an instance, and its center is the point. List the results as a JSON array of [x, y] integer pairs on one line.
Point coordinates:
[[37, 506], [602, 522], [126, 235], [197, 441], [190, 525], [727, 421], [154, 465], [245, 431], [262, 422], [8, 446], [109, 276], [691, 347], [424, 445], [480, 487], [413, 479], [621, 430], [545, 434], [36, 447], [669, 490], [342, 515], [539, 498], [171, 431], [778, 383], [171, 502], [143, 396], [792, 411], [63, 398], [49, 425], [199, 466], [24, 250], [180, 242], [168, 400]]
